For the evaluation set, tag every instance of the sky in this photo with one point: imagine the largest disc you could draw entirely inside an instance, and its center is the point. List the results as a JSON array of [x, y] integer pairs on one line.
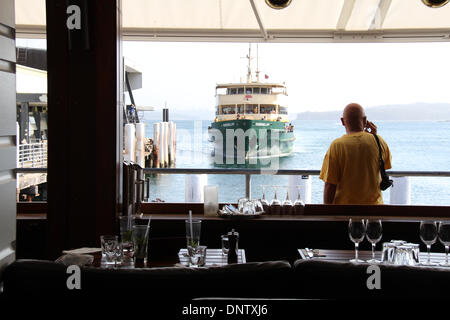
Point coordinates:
[[318, 76]]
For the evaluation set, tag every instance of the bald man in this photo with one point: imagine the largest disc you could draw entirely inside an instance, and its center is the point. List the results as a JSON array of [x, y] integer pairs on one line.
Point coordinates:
[[350, 168]]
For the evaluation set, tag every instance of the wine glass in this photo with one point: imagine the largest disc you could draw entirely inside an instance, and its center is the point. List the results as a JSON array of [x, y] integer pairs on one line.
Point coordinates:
[[356, 232], [428, 235], [288, 207], [275, 204], [444, 238], [299, 205], [264, 202], [374, 232]]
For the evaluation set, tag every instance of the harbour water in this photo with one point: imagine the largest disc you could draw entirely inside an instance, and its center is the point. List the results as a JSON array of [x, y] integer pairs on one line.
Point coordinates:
[[415, 146]]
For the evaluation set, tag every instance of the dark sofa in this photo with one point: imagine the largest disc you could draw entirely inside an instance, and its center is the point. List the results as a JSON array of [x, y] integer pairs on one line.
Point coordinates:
[[42, 279], [306, 279], [345, 280]]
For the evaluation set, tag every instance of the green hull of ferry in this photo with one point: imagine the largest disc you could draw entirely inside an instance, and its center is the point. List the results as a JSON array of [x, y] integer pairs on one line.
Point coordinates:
[[273, 138]]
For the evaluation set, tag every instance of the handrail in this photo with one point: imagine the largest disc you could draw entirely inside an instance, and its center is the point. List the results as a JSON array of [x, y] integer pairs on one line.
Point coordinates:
[[279, 172]]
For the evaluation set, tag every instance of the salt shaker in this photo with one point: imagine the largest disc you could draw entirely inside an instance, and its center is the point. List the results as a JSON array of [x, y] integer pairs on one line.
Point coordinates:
[[233, 238]]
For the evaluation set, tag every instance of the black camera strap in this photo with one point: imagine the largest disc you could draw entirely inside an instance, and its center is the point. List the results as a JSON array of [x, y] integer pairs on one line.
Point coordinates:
[[385, 181]]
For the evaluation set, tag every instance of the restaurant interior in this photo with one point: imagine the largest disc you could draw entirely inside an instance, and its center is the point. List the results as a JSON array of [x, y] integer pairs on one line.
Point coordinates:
[[51, 249]]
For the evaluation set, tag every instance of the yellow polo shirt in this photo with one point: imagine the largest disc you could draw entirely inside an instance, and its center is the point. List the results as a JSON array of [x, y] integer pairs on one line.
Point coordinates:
[[351, 163]]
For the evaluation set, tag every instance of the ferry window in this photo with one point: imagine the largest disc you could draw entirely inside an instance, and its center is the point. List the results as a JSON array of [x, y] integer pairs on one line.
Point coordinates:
[[269, 90], [217, 110], [251, 109], [228, 109], [240, 90], [256, 90], [248, 90], [283, 110], [232, 91], [263, 90], [267, 108], [240, 108]]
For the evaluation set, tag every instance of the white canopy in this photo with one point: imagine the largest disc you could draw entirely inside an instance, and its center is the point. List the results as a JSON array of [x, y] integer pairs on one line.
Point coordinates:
[[253, 20]]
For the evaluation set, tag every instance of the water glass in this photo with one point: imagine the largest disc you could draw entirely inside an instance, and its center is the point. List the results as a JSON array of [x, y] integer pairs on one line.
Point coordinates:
[[139, 236], [225, 244], [264, 202], [258, 206], [126, 227], [111, 249], [275, 204], [404, 256], [374, 232], [197, 256], [444, 238], [388, 253], [249, 207], [415, 250], [241, 203], [193, 232], [356, 232], [288, 207], [428, 235]]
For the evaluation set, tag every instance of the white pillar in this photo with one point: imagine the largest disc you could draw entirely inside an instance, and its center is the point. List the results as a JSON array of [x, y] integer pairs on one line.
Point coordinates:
[[194, 187], [156, 144], [140, 146], [166, 144], [130, 143], [304, 183], [400, 191]]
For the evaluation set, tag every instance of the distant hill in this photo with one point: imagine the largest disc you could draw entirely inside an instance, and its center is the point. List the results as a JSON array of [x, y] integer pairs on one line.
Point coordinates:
[[415, 111]]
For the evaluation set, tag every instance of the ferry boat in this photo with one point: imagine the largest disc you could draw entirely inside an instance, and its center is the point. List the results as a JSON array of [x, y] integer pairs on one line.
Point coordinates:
[[260, 110]]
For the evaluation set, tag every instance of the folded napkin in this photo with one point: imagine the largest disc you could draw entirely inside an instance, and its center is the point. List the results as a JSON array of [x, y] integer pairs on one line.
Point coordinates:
[[75, 259], [82, 250]]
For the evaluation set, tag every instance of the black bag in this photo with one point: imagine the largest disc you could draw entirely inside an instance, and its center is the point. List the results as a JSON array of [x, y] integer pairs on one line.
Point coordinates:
[[385, 181]]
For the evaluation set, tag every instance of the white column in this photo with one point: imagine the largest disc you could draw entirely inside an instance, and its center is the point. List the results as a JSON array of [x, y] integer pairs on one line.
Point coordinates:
[[194, 187], [130, 143], [156, 144], [140, 147], [304, 183], [400, 191]]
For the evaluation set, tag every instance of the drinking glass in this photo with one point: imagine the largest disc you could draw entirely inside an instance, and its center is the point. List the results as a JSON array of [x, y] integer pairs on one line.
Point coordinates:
[[225, 244], [275, 204], [139, 236], [356, 232], [374, 232], [241, 203], [258, 206], [299, 205], [249, 207], [193, 232], [288, 207], [264, 202], [126, 226], [197, 256], [444, 238], [111, 249], [428, 235]]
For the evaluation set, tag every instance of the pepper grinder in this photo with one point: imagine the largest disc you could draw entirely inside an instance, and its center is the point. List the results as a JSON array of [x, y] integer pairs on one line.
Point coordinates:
[[233, 238]]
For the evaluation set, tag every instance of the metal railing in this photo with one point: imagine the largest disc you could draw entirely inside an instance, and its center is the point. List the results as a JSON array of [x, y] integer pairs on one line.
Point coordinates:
[[250, 172], [32, 155]]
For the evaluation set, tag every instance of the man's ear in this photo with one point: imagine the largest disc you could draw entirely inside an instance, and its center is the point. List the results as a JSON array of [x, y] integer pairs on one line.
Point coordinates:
[[343, 123]]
